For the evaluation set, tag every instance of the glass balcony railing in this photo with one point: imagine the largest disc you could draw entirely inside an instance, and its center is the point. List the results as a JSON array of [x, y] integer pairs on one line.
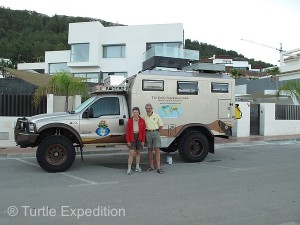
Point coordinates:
[[172, 53]]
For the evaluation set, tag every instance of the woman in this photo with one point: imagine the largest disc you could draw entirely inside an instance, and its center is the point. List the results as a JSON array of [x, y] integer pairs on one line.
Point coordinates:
[[135, 137]]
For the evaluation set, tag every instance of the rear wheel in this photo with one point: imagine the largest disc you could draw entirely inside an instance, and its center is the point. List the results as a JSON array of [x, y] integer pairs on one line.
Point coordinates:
[[193, 147], [55, 154]]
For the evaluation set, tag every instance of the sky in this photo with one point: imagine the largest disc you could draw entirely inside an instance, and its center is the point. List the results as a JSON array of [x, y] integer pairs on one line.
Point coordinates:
[[222, 23]]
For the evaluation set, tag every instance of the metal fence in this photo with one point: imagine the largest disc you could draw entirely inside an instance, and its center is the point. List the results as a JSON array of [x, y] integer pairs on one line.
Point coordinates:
[[21, 105], [287, 112]]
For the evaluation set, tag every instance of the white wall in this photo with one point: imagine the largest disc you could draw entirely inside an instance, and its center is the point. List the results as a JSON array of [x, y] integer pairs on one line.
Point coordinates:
[[56, 57], [31, 66], [241, 127], [7, 131], [269, 126], [57, 103]]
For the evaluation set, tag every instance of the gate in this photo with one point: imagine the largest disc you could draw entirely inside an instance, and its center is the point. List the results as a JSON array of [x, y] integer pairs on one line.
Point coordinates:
[[254, 119], [21, 105]]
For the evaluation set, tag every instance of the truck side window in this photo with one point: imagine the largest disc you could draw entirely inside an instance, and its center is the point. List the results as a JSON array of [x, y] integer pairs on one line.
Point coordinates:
[[106, 106], [153, 85], [187, 88], [219, 87]]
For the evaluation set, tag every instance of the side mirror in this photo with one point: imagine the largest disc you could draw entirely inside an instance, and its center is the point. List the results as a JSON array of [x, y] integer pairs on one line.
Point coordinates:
[[88, 113]]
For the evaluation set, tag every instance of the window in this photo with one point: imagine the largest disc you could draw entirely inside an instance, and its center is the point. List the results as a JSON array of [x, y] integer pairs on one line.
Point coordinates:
[[80, 52], [219, 87], [90, 77], [114, 51], [106, 106], [163, 44], [153, 85], [107, 74], [187, 88], [58, 67]]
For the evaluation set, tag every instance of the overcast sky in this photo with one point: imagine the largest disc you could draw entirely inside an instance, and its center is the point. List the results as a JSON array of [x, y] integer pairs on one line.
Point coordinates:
[[218, 22]]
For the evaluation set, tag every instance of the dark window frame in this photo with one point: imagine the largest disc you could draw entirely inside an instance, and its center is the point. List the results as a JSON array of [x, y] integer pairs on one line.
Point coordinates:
[[187, 93], [149, 89], [219, 91]]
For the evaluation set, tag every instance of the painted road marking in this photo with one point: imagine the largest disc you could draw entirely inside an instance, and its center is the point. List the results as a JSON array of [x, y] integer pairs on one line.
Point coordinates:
[[85, 181]]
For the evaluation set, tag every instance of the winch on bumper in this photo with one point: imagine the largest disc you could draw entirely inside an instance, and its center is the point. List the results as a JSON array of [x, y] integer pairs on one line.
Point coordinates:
[[25, 133]]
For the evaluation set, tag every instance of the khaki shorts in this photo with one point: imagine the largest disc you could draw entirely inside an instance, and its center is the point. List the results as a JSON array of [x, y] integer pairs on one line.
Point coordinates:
[[136, 144], [153, 139]]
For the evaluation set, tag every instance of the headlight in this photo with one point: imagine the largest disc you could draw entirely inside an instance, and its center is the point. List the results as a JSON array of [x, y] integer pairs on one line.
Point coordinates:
[[31, 128]]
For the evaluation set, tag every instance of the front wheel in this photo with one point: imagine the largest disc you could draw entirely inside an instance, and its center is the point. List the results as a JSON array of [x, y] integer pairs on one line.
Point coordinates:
[[55, 154], [193, 147]]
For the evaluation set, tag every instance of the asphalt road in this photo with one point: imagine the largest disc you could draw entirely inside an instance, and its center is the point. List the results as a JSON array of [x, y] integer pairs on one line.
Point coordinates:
[[244, 184]]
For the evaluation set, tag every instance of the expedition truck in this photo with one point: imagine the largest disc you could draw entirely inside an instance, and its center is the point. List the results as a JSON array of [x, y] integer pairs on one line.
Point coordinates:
[[195, 107]]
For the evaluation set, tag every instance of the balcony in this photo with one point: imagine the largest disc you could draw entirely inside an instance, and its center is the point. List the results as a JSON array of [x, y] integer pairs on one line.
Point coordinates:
[[169, 52], [168, 57]]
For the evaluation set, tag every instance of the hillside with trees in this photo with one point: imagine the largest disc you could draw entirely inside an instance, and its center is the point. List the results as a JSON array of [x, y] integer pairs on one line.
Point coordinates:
[[207, 51], [26, 35]]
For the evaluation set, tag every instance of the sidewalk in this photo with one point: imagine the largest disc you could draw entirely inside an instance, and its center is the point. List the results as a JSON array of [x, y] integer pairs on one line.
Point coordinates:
[[15, 152]]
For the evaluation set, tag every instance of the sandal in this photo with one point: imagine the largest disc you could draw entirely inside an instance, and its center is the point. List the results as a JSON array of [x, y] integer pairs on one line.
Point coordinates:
[[149, 169], [160, 171]]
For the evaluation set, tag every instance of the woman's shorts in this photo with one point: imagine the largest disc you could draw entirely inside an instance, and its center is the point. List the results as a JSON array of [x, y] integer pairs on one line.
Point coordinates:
[[136, 144]]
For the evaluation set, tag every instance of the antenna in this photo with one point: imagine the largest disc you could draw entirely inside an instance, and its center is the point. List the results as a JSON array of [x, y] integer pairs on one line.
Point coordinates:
[[281, 51]]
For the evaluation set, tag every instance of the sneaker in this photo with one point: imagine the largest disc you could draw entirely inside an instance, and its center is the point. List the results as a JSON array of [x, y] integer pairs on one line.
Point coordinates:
[[129, 172], [138, 169]]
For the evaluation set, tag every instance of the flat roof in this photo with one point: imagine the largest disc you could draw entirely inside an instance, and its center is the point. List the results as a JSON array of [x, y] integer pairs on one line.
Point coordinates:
[[181, 73]]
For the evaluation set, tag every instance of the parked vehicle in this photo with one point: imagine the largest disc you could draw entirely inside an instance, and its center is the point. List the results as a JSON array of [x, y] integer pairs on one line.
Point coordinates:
[[195, 107]]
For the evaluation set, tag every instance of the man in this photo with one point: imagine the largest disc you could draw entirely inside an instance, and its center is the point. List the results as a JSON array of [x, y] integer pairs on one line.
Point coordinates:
[[153, 127]]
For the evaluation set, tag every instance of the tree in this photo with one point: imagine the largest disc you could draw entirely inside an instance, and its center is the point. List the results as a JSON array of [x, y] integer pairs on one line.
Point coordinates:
[[273, 72], [292, 89], [62, 84], [236, 73]]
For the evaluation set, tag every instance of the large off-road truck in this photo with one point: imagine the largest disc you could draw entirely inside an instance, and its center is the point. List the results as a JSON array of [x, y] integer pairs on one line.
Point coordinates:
[[195, 107]]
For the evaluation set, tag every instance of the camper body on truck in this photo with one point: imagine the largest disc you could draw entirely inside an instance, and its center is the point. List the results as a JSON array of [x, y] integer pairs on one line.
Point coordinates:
[[194, 107]]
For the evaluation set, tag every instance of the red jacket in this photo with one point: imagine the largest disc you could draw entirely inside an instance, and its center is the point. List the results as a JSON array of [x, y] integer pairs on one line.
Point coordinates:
[[142, 130]]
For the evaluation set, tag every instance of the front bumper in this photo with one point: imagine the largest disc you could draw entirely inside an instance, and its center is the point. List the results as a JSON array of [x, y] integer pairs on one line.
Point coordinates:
[[25, 133]]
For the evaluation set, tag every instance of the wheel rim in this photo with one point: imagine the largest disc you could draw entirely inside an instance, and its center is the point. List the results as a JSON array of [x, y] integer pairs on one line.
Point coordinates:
[[195, 147], [56, 154]]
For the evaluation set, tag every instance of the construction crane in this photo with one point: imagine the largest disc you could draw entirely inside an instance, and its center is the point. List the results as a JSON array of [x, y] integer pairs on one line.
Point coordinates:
[[282, 52]]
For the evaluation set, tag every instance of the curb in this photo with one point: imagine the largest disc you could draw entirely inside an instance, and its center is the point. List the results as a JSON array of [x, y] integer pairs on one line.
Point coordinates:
[[115, 151]]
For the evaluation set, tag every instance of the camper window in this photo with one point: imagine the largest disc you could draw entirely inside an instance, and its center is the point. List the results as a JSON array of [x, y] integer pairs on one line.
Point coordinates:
[[219, 87], [187, 88], [153, 85]]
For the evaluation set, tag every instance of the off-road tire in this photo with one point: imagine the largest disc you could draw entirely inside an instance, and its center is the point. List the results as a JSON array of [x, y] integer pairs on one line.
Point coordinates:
[[193, 147], [55, 154]]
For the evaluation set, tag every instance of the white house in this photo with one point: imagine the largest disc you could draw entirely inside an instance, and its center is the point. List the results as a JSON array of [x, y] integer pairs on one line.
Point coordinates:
[[264, 89], [228, 61], [98, 52], [291, 68]]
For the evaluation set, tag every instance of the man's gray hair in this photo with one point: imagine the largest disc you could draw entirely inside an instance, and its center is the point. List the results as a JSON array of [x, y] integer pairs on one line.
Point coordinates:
[[148, 104]]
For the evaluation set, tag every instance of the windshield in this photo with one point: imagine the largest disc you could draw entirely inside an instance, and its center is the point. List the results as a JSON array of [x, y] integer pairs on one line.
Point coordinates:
[[83, 105]]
